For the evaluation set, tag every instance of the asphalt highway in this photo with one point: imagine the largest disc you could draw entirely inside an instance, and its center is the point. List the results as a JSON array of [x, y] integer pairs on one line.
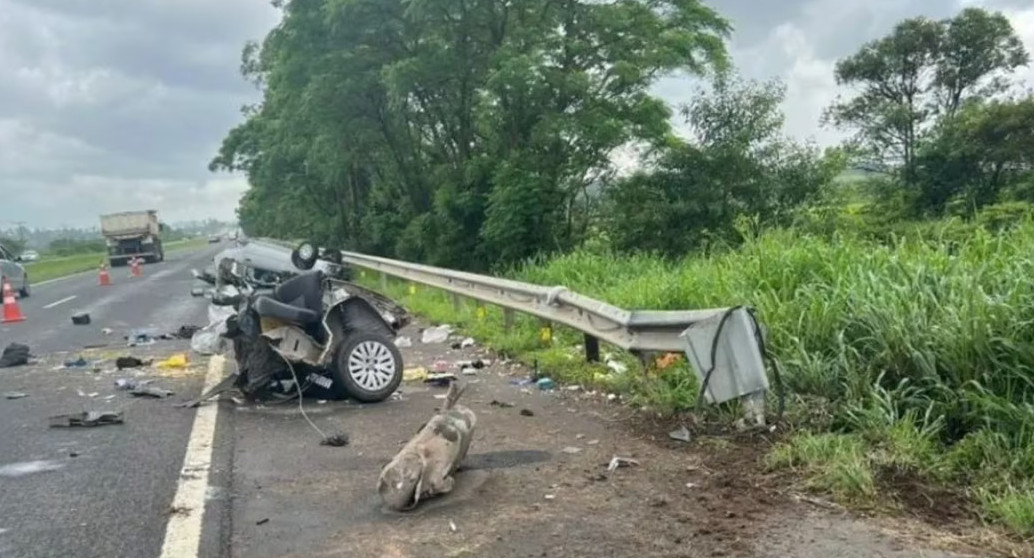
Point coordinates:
[[101, 491]]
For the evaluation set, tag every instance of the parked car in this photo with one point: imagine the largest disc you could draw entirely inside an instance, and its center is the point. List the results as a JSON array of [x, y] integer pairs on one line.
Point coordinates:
[[11, 268], [30, 256]]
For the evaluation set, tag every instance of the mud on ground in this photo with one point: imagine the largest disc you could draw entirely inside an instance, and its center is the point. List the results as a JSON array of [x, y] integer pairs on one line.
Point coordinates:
[[538, 486]]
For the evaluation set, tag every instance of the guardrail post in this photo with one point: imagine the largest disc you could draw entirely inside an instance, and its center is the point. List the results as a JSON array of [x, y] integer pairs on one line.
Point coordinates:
[[592, 348], [457, 303], [384, 281], [507, 320]]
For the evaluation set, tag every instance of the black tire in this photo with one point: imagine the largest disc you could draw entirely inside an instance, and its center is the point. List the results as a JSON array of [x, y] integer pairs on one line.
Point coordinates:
[[369, 354], [25, 291], [301, 263]]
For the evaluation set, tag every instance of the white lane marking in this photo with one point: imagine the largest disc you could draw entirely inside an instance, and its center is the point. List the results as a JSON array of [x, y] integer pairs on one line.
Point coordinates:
[[183, 532], [59, 302]]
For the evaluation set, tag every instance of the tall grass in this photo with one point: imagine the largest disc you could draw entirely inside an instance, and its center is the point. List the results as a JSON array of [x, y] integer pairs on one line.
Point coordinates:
[[923, 349]]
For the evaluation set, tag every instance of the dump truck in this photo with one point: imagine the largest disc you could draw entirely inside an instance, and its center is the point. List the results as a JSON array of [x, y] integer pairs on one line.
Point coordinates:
[[130, 234]]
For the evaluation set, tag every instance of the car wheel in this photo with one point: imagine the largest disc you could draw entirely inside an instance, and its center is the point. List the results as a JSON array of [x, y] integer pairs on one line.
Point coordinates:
[[369, 366]]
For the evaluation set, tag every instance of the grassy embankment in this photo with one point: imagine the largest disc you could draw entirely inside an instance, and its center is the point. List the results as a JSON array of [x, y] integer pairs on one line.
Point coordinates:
[[905, 361], [53, 268]]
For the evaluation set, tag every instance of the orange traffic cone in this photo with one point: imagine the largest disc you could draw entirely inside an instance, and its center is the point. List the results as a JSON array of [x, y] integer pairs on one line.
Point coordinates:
[[11, 311], [105, 278]]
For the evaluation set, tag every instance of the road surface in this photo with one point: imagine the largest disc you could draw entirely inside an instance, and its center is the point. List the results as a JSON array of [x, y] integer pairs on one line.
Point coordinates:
[[230, 480]]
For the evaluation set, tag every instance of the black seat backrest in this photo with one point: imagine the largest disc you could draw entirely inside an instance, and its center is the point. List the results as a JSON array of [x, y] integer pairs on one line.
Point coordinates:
[[304, 291]]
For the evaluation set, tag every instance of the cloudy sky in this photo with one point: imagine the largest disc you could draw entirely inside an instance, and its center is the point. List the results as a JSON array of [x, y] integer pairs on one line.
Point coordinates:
[[108, 105]]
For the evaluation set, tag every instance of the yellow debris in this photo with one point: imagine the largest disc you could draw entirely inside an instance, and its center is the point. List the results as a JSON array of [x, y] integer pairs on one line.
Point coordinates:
[[175, 361], [414, 374]]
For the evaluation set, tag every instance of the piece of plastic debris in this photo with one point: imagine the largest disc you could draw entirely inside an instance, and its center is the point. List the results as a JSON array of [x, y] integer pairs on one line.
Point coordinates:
[[592, 442], [414, 374], [611, 396], [571, 450], [150, 391], [336, 440], [438, 334], [403, 342], [681, 434], [175, 361], [452, 526], [573, 388], [551, 496], [616, 462], [527, 413], [478, 364], [546, 384], [468, 342], [441, 395], [522, 382], [469, 371], [502, 404], [126, 384], [78, 363], [107, 331], [440, 380], [262, 521], [15, 354], [15, 395], [81, 318], [128, 362], [89, 418], [691, 485], [441, 366]]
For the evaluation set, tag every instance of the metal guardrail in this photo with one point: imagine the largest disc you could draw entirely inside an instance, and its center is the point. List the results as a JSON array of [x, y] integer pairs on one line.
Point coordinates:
[[639, 331]]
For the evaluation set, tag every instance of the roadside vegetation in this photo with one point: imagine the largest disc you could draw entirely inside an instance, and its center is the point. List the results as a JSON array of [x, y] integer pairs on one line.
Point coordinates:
[[893, 271]]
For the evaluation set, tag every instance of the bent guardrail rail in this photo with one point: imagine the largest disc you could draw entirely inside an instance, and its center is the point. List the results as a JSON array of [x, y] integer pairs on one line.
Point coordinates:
[[731, 367]]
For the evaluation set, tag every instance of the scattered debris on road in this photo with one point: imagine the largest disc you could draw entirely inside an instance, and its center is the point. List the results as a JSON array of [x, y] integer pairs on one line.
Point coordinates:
[[186, 331], [681, 434], [78, 363], [468, 342], [130, 362], [150, 391], [338, 440], [81, 318], [546, 384], [426, 464], [126, 384], [403, 342], [15, 395], [15, 354], [501, 404], [440, 380], [262, 521], [616, 462], [107, 331], [88, 418], [527, 413], [571, 450], [439, 334], [175, 361], [417, 374]]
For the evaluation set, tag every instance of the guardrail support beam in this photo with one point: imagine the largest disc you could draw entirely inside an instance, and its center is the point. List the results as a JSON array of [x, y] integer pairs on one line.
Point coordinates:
[[384, 281], [507, 320], [592, 348]]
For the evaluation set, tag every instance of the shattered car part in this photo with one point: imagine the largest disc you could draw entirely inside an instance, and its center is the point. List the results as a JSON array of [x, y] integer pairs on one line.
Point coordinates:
[[426, 464], [15, 354], [150, 391], [88, 418]]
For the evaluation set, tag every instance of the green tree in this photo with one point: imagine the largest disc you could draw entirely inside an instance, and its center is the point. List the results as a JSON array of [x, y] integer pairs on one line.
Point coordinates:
[[923, 71], [460, 132], [736, 165]]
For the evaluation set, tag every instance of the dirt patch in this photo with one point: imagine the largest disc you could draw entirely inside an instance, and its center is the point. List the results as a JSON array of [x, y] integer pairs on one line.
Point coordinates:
[[937, 505]]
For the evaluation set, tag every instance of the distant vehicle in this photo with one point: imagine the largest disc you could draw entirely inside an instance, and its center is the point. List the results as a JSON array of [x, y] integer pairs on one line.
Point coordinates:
[[30, 256], [215, 239], [14, 272], [131, 234]]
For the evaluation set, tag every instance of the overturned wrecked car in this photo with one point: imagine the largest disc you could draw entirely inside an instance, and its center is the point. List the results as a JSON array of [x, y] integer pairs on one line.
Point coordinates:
[[310, 334], [269, 264]]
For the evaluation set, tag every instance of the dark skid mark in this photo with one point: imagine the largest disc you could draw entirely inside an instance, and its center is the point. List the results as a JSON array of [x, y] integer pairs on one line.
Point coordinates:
[[504, 459]]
